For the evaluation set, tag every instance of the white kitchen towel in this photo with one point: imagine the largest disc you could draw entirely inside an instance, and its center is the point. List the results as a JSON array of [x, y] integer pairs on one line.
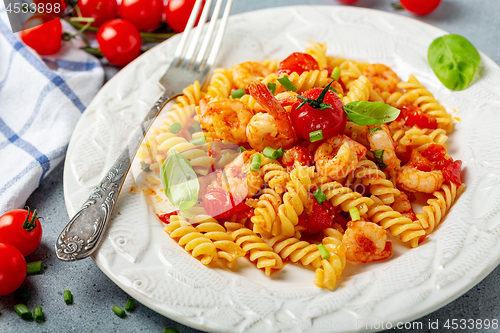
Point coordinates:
[[41, 100]]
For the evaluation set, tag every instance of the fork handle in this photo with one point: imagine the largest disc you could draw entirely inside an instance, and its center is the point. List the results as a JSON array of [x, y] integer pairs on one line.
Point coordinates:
[[83, 234]]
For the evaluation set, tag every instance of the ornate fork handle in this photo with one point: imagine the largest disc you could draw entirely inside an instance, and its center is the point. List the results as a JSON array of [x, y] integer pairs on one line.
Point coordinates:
[[83, 234]]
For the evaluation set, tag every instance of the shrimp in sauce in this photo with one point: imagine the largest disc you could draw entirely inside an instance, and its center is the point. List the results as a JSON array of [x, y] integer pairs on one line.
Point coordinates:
[[246, 72], [366, 242], [382, 77], [381, 140]]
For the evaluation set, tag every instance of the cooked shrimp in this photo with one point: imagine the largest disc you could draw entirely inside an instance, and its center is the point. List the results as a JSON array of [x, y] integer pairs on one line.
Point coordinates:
[[338, 156], [382, 140], [247, 72], [414, 180], [272, 129], [225, 119], [382, 77], [366, 242], [237, 179], [403, 205], [286, 99]]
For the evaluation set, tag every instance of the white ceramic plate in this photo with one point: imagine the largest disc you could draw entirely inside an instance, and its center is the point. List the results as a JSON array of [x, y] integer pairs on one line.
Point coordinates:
[[138, 256]]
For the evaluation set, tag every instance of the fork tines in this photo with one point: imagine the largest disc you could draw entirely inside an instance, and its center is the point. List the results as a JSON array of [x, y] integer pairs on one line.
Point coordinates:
[[195, 58]]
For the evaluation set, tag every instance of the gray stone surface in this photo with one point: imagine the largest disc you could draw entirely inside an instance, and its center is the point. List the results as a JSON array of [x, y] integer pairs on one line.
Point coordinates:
[[94, 294]]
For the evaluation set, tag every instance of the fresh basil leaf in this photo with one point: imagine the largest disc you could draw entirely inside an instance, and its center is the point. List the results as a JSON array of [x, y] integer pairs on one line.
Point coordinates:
[[370, 113], [454, 60], [374, 129], [179, 181], [379, 156]]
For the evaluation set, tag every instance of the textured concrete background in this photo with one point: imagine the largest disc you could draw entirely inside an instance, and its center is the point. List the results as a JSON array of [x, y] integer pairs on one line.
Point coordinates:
[[95, 295]]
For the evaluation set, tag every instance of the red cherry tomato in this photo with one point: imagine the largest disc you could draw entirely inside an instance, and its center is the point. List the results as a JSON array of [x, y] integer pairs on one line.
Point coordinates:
[[452, 172], [437, 155], [308, 119], [299, 154], [120, 41], [297, 62], [42, 33], [100, 10], [420, 7], [12, 269], [221, 204], [177, 13], [415, 117], [165, 218], [420, 162], [19, 229], [144, 14], [316, 217]]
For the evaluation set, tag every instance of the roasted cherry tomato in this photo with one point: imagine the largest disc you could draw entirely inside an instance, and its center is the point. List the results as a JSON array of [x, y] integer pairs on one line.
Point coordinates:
[[100, 10], [177, 13], [120, 41], [21, 229], [43, 34], [420, 162], [413, 116], [452, 172], [221, 204], [420, 7], [165, 218], [297, 62], [12, 269], [307, 119], [144, 14], [299, 154], [437, 155], [316, 217]]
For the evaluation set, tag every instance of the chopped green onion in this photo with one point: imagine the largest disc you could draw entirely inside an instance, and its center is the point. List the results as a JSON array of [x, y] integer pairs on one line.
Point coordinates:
[[373, 130], [145, 166], [272, 87], [273, 153], [130, 304], [335, 74], [319, 195], [286, 83], [379, 156], [241, 149], [175, 128], [324, 252], [354, 212], [316, 136], [21, 293], [119, 311], [22, 311], [198, 141], [196, 127], [170, 330], [256, 160], [34, 267], [238, 93], [68, 297], [38, 314]]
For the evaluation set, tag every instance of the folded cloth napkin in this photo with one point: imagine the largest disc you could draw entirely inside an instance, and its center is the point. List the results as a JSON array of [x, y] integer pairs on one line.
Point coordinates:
[[41, 100]]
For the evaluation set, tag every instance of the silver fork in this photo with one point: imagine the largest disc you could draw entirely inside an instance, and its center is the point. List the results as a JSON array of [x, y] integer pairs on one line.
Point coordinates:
[[192, 62]]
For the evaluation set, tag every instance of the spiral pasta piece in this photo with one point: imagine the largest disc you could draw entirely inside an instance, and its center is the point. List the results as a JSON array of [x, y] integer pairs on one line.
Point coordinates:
[[428, 104], [350, 71], [398, 225], [327, 275], [271, 64], [420, 139], [274, 175], [438, 206], [303, 82], [318, 52], [266, 212], [368, 174], [221, 83], [191, 239], [260, 253], [398, 99], [344, 197], [224, 242], [296, 250], [361, 90]]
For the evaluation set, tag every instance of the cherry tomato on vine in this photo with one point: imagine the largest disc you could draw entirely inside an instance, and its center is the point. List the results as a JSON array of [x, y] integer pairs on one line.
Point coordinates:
[[146, 15], [21, 229], [177, 13], [308, 118], [420, 7], [297, 62], [43, 34], [120, 41], [100, 10], [221, 204], [12, 269]]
